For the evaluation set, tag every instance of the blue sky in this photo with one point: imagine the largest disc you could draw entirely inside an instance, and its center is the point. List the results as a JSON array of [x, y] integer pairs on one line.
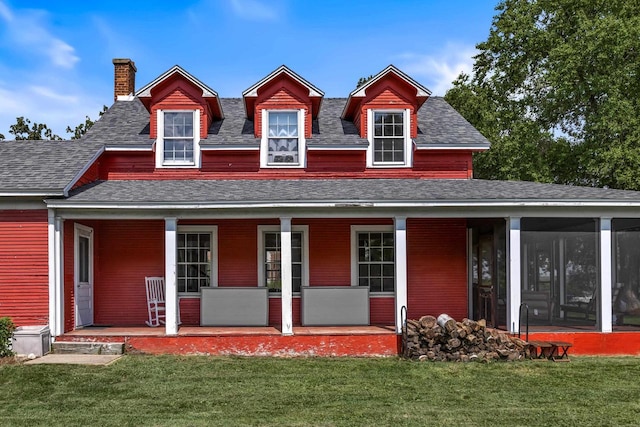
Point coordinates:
[[55, 56]]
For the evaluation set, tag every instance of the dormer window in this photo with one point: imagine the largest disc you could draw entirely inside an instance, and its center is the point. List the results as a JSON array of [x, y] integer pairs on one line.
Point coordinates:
[[283, 138], [283, 142], [178, 137], [178, 143], [390, 144]]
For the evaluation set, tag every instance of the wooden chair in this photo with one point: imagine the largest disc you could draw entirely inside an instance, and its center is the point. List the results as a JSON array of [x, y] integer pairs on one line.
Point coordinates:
[[155, 301], [156, 306]]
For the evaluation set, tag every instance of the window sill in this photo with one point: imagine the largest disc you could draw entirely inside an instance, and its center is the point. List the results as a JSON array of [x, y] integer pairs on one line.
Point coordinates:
[[388, 165], [177, 165], [381, 294]]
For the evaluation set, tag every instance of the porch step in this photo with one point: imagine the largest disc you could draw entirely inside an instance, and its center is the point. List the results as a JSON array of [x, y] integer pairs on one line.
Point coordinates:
[[71, 347]]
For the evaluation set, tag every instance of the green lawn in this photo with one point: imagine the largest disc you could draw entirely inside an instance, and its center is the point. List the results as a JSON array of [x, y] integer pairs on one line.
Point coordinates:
[[145, 390]]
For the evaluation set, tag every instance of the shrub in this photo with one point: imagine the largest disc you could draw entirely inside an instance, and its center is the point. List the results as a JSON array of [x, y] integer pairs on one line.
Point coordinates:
[[6, 334]]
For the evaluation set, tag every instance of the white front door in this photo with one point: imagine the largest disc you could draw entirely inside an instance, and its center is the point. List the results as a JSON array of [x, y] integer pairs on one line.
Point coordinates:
[[83, 275]]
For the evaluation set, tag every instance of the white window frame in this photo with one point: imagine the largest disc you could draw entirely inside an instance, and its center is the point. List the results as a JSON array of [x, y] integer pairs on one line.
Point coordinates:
[[355, 229], [160, 162], [304, 229], [264, 142], [213, 268], [408, 143]]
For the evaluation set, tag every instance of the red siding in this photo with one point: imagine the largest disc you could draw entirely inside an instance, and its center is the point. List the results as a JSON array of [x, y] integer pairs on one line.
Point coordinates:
[[127, 251], [325, 161], [437, 267], [282, 93], [390, 92], [24, 278], [382, 311], [444, 164], [238, 252], [239, 164], [91, 175], [275, 311], [178, 94]]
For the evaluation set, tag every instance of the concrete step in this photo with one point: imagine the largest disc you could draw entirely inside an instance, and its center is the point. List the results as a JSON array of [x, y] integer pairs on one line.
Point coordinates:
[[78, 347]]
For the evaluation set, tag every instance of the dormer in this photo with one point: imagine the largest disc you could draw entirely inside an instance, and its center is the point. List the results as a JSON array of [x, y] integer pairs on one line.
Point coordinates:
[[282, 106], [385, 111], [182, 109]]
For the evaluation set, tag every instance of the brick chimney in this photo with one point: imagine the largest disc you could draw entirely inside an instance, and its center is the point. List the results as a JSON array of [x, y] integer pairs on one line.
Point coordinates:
[[124, 77]]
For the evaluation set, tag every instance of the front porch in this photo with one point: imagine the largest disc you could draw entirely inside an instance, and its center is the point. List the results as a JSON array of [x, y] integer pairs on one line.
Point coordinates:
[[333, 341], [336, 341]]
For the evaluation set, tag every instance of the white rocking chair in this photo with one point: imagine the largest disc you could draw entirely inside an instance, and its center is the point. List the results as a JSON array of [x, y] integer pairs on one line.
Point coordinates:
[[156, 306]]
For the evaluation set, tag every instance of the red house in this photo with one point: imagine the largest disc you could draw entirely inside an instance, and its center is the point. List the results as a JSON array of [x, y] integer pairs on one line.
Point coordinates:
[[285, 222]]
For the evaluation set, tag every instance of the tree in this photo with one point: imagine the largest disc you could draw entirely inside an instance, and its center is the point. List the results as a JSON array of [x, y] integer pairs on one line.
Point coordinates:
[[556, 90], [363, 80], [23, 130], [82, 128]]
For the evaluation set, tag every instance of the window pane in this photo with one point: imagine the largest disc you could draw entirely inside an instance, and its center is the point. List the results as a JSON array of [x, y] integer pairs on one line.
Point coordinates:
[[375, 284], [194, 261], [83, 261], [388, 270], [376, 270], [375, 261]]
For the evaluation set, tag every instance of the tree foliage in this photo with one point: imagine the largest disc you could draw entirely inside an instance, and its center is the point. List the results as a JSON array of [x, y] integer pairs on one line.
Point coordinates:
[[363, 80], [24, 130], [556, 89], [79, 131]]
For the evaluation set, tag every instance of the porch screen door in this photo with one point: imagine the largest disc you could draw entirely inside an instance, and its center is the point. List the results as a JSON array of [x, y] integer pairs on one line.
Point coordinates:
[[83, 277]]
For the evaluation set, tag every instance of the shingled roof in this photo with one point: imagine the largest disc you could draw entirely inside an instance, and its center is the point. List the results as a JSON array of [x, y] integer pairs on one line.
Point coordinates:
[[126, 123], [413, 191], [42, 167]]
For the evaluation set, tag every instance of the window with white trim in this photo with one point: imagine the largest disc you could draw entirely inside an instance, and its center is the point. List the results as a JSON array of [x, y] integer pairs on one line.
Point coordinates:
[[197, 258], [269, 257], [389, 137], [373, 258], [283, 142], [178, 138]]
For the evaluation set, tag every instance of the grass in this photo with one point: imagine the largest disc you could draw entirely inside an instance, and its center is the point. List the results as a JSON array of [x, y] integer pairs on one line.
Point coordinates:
[[167, 390]]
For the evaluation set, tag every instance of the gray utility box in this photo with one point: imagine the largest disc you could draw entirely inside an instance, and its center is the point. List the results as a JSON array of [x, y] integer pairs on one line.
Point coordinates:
[[335, 305], [32, 340], [230, 306]]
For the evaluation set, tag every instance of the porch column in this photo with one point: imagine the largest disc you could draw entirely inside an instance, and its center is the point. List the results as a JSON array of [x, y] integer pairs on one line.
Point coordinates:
[[400, 229], [605, 275], [286, 276], [513, 274], [170, 279], [56, 273]]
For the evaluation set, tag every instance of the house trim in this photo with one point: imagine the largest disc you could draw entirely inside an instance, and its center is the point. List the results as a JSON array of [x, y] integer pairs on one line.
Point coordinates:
[[213, 264], [355, 229]]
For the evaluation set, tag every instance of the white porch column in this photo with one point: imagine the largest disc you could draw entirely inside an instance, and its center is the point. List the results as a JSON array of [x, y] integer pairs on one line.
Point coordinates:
[[56, 273], [286, 276], [400, 229], [605, 274], [513, 275], [170, 277]]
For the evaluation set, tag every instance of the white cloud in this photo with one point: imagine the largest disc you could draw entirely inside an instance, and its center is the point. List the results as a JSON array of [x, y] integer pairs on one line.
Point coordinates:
[[5, 13], [42, 104], [39, 81], [253, 10], [26, 30], [440, 69]]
